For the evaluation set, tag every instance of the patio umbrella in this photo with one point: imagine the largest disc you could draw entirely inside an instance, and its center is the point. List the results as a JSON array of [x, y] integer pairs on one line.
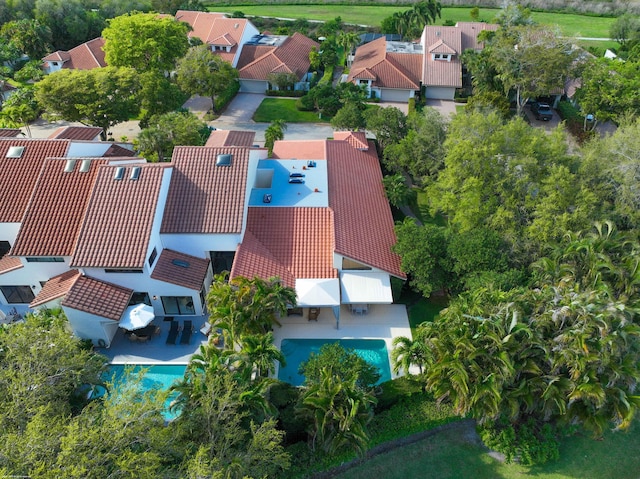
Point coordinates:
[[136, 317]]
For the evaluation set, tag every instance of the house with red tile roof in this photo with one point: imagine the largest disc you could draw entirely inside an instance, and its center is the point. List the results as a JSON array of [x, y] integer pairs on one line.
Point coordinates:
[[269, 54], [86, 56], [225, 36], [97, 235], [443, 46], [396, 71], [389, 70]]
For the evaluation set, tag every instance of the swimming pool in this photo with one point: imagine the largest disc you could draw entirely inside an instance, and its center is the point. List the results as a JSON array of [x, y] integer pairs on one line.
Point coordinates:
[[296, 351], [157, 376]]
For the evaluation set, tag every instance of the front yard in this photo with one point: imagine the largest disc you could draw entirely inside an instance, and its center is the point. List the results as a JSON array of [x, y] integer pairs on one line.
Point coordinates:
[[284, 109]]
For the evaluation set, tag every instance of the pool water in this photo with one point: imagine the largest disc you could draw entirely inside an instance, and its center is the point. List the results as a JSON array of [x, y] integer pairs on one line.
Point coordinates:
[[296, 351], [158, 376]]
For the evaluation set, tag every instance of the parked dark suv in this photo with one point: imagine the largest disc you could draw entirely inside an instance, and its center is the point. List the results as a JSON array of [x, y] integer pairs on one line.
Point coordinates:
[[542, 111]]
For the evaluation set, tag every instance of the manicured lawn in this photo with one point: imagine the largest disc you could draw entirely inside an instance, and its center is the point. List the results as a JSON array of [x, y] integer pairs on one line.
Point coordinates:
[[284, 109], [570, 24], [448, 455]]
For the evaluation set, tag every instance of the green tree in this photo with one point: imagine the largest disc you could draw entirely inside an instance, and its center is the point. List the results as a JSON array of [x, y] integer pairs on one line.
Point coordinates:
[[531, 61], [30, 72], [407, 352], [29, 36], [20, 109], [609, 89], [389, 125], [348, 41], [513, 15], [626, 27], [284, 81], [420, 153], [260, 354], [396, 189], [169, 130], [274, 132], [70, 21], [423, 251], [101, 97], [201, 72], [340, 362], [244, 306], [158, 95], [349, 117], [145, 41]]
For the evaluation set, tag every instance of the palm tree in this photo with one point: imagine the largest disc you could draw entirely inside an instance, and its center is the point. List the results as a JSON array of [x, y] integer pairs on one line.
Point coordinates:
[[425, 12], [273, 133], [407, 352], [348, 41], [259, 354]]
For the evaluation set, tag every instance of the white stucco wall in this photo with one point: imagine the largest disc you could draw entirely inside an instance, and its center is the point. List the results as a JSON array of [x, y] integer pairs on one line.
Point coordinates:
[[9, 232], [31, 274], [90, 326], [249, 31]]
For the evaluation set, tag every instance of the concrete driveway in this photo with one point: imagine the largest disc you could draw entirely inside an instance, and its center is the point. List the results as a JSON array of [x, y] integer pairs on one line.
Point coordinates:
[[241, 108]]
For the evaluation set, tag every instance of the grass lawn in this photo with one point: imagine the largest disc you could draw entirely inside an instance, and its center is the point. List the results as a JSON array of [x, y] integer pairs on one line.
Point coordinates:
[[448, 455], [570, 24], [284, 109]]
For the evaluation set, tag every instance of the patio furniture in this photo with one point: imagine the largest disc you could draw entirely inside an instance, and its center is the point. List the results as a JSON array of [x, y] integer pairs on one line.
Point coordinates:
[[206, 329], [132, 337], [173, 332], [186, 332]]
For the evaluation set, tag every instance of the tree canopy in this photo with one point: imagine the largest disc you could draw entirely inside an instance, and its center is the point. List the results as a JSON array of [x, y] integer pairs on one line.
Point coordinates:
[[145, 42], [101, 97]]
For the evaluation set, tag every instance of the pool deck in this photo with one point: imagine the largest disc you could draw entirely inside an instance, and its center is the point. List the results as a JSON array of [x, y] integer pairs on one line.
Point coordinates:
[[156, 351], [383, 321]]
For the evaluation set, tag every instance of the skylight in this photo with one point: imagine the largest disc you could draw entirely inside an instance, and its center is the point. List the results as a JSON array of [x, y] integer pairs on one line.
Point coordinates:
[[180, 262], [135, 173], [69, 166], [15, 151], [119, 174], [84, 167], [224, 160]]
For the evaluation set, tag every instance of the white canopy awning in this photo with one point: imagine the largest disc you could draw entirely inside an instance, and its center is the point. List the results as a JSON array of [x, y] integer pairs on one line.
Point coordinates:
[[318, 292], [365, 288], [136, 317]]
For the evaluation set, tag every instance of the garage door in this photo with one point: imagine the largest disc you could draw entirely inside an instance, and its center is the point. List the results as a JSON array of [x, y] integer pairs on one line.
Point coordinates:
[[387, 94], [440, 93], [253, 86]]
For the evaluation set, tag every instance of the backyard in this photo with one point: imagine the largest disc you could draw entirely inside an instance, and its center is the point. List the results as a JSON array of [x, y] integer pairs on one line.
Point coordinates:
[[450, 454], [284, 109]]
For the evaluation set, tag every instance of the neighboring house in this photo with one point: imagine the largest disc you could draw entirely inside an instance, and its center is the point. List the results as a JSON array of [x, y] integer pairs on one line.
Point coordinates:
[[10, 132], [88, 133], [86, 56], [231, 138], [225, 36], [267, 54], [395, 71], [390, 70], [95, 234], [443, 46], [6, 90]]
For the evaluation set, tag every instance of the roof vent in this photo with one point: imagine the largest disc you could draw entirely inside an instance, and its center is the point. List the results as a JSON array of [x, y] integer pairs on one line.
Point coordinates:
[[311, 164], [15, 151], [119, 174], [224, 160], [180, 262], [236, 25], [135, 173], [84, 167], [266, 198], [69, 166]]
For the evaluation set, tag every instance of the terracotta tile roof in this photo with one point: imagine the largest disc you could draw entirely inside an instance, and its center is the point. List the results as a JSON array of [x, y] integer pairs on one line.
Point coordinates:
[[9, 263], [442, 72], [9, 132], [56, 287], [18, 176], [290, 57], [300, 149], [203, 197], [119, 218], [55, 213], [219, 138], [390, 70], [77, 133], [86, 56], [181, 269], [98, 297], [357, 139], [215, 29], [470, 31], [363, 222], [287, 242], [117, 151]]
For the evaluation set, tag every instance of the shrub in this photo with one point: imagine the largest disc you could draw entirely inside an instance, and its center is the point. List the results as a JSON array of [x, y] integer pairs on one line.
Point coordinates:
[[574, 121], [223, 100], [529, 444], [392, 391], [411, 107], [286, 93], [305, 103]]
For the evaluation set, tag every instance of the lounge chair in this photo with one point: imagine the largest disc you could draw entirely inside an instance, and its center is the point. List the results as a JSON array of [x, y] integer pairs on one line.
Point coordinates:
[[187, 331], [206, 329], [173, 332]]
